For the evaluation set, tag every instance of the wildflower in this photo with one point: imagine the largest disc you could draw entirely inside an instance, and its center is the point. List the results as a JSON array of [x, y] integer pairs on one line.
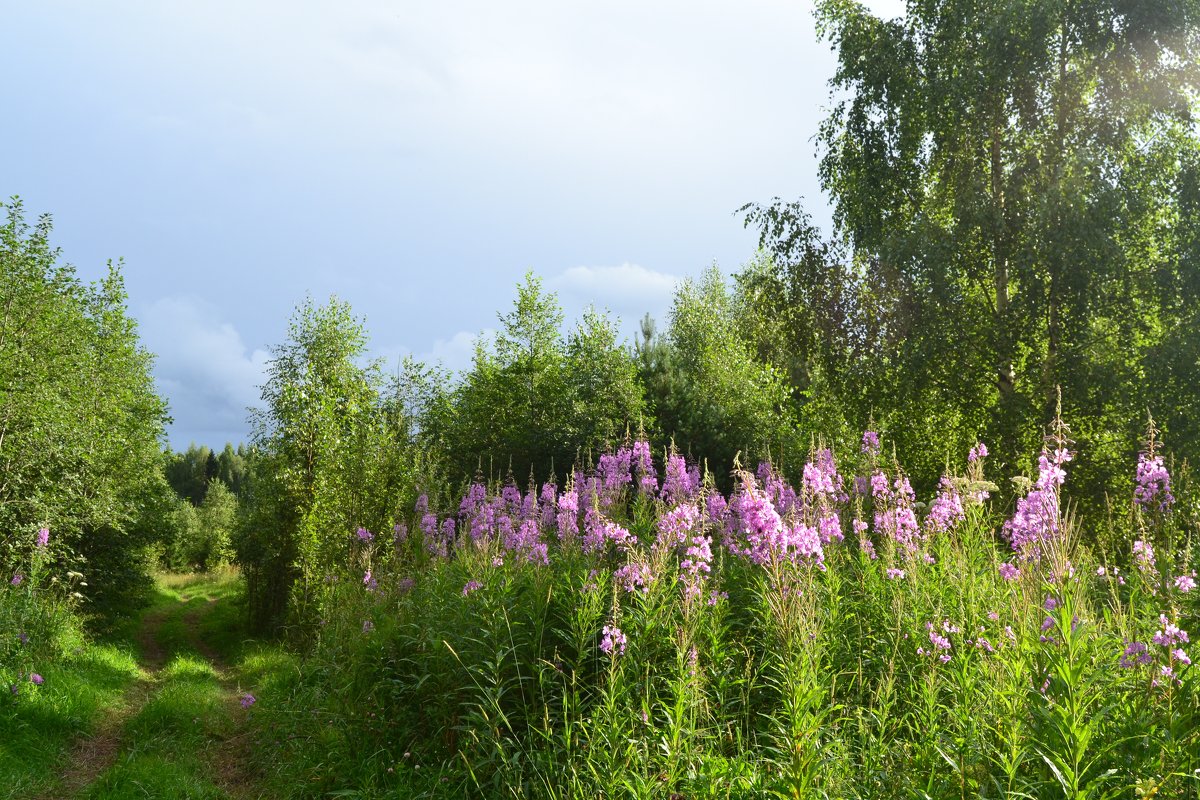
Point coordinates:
[[978, 452], [641, 458], [634, 577], [35, 679], [1135, 654], [1050, 604], [697, 565], [870, 443], [1035, 521], [1170, 634], [993, 616], [1178, 655], [568, 514], [674, 526], [946, 511], [23, 637], [14, 689], [940, 644], [894, 574], [715, 597], [17, 579], [1101, 572], [365, 535], [248, 700], [821, 478], [368, 626], [400, 533], [471, 586], [1009, 572], [43, 537], [613, 640], [1143, 557], [677, 484], [613, 469], [370, 582], [406, 584], [591, 584], [1153, 483], [1185, 583], [526, 541]]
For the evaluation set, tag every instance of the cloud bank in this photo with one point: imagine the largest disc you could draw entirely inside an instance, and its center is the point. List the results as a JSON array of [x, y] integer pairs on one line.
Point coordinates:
[[203, 368]]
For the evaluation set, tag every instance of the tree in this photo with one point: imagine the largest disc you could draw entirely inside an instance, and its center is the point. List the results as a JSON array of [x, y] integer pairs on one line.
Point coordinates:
[[730, 402], [316, 399], [80, 423], [601, 376], [1016, 174], [533, 402]]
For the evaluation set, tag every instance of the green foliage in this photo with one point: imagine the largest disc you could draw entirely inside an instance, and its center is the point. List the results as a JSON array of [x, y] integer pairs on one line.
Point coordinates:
[[333, 452], [803, 682], [80, 423], [720, 399], [191, 471], [200, 539], [534, 401], [1015, 182]]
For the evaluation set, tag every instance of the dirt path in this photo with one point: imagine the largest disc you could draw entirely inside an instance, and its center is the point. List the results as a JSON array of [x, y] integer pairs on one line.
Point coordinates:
[[226, 757], [230, 757], [93, 755]]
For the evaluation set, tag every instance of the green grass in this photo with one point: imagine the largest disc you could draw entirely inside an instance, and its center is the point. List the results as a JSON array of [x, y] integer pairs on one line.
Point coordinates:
[[38, 731], [167, 739], [170, 745]]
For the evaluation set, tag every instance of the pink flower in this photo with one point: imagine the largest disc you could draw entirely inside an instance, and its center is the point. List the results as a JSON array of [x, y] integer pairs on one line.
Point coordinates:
[[43, 537], [248, 700], [614, 641]]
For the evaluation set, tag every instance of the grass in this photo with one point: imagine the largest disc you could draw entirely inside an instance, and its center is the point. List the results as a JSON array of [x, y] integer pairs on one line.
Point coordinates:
[[78, 691], [173, 712], [917, 674]]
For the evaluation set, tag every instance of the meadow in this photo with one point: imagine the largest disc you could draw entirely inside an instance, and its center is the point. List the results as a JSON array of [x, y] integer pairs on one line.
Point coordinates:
[[614, 637]]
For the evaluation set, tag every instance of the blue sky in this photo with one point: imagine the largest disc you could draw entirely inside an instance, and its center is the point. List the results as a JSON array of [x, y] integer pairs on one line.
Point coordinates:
[[415, 159]]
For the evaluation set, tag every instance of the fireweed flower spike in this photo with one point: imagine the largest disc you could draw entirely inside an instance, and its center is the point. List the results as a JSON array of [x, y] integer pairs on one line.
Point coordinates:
[[248, 700], [1036, 519], [1152, 483], [613, 642], [43, 538], [365, 535]]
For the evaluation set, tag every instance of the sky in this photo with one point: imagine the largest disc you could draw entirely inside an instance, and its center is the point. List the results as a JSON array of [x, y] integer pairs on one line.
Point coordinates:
[[413, 159]]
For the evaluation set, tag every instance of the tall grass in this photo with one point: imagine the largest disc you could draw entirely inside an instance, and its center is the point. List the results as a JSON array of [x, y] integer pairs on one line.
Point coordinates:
[[813, 657]]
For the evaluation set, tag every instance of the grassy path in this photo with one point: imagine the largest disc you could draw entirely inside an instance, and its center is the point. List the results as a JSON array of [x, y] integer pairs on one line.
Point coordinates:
[[179, 731]]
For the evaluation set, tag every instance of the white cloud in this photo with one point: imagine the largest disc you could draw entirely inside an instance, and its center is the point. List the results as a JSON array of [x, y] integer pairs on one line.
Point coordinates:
[[203, 368], [456, 352], [628, 290]]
